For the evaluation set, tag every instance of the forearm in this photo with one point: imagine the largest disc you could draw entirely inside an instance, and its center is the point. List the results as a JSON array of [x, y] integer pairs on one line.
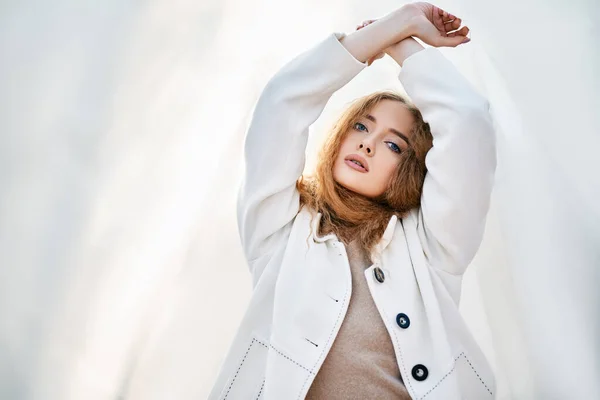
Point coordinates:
[[404, 49], [375, 38]]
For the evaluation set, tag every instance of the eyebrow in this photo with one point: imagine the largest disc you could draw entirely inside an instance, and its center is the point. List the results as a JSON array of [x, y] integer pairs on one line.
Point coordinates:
[[394, 131]]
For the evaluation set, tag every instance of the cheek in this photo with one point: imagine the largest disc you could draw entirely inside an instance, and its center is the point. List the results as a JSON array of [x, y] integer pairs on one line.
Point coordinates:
[[388, 169], [345, 149], [346, 144]]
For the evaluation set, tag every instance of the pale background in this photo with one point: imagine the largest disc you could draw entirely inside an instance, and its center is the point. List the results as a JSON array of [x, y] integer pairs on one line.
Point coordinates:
[[121, 130]]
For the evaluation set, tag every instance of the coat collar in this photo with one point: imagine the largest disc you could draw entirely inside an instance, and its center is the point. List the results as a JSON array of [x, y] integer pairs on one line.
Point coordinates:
[[386, 238]]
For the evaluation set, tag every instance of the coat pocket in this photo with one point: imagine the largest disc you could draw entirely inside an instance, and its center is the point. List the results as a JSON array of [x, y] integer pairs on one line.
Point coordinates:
[[247, 381], [261, 391], [476, 381]]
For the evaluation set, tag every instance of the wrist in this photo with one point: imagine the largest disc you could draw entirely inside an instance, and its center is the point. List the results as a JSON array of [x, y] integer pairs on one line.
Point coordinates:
[[404, 49], [378, 36], [401, 24]]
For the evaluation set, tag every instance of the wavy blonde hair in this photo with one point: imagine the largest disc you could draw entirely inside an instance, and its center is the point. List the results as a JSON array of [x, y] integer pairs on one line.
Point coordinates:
[[351, 215]]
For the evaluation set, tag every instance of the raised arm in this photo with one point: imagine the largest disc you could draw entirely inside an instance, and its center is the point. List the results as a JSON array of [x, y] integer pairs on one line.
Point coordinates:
[[274, 150], [460, 165]]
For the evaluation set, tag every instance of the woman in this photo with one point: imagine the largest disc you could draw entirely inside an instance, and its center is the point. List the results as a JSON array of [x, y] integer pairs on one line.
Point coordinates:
[[357, 271]]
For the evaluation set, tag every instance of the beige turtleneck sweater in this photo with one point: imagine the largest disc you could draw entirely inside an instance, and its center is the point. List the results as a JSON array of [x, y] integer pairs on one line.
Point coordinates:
[[361, 363]]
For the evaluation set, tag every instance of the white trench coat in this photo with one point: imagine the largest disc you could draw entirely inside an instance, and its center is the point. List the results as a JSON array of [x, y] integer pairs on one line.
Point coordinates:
[[302, 282]]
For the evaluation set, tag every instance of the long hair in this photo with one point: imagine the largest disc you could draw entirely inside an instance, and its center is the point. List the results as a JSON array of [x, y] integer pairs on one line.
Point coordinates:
[[351, 215]]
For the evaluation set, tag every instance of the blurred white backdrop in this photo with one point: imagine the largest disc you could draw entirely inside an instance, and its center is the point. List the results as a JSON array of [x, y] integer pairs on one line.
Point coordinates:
[[121, 132]]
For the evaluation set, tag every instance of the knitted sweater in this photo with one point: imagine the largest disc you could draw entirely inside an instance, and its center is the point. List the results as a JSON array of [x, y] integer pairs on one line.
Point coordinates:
[[361, 363]]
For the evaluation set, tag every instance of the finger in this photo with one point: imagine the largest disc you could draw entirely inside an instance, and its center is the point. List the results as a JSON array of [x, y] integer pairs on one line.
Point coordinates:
[[365, 23], [452, 25], [447, 17], [437, 16], [464, 31], [453, 41]]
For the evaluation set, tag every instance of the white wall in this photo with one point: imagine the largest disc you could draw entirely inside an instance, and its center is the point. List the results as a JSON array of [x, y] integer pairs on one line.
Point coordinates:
[[120, 144]]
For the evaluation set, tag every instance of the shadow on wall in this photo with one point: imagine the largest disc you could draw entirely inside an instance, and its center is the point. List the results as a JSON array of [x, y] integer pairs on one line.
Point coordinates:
[[120, 157]]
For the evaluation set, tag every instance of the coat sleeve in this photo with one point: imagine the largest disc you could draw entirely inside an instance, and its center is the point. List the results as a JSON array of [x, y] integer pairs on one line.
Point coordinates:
[[460, 165], [275, 143]]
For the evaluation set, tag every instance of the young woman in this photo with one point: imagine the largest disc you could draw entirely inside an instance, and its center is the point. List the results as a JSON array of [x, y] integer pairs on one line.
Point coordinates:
[[357, 270]]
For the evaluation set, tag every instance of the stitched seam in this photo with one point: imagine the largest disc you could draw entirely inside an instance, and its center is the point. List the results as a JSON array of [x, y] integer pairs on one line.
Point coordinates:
[[246, 355], [444, 377], [327, 343], [242, 363], [239, 367], [286, 357], [399, 351], [481, 380], [261, 389], [451, 370]]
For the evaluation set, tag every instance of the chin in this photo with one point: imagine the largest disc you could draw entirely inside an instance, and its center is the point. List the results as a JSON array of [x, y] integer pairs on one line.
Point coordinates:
[[352, 180], [351, 184]]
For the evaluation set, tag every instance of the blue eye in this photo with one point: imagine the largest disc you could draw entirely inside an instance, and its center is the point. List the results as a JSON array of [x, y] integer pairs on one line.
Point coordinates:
[[395, 147], [358, 123]]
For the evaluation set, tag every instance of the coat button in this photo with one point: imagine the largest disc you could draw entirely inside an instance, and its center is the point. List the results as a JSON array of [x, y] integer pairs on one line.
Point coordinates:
[[379, 275], [402, 320], [419, 372]]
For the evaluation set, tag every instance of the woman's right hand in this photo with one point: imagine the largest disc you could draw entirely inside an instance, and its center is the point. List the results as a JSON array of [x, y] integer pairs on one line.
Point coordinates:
[[425, 21], [435, 26], [429, 23]]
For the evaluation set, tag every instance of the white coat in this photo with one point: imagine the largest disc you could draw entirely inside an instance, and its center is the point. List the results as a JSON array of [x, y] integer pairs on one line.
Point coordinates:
[[302, 282]]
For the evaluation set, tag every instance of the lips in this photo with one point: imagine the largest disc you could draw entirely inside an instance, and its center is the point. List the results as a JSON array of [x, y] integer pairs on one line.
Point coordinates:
[[355, 158]]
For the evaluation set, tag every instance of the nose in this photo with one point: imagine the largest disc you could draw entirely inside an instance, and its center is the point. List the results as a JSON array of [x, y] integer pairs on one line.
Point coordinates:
[[367, 148]]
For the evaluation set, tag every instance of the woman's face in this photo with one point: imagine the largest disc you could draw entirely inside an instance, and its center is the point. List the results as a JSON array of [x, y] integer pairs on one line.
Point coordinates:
[[374, 143]]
